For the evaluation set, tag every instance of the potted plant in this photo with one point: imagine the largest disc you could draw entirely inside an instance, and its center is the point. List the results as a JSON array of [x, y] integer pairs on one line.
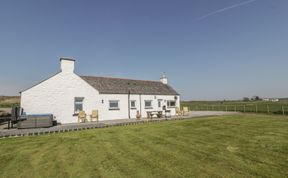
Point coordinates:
[[138, 115]]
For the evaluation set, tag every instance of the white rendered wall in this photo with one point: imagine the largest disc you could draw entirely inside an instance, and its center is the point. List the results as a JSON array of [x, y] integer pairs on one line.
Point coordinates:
[[122, 113], [154, 99], [56, 95]]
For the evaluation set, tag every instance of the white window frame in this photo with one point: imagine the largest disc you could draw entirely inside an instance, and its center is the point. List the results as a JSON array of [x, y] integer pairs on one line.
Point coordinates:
[[114, 108], [78, 103], [151, 105], [133, 107], [169, 103]]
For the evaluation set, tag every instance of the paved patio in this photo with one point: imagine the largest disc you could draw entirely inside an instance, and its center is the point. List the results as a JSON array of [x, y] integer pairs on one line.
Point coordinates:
[[4, 133]]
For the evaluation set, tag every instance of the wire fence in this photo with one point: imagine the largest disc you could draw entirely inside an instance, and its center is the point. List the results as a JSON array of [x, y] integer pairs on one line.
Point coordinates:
[[246, 108]]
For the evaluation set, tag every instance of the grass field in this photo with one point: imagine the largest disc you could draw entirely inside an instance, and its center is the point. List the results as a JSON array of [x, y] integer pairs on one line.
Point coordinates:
[[227, 146], [9, 101], [251, 106]]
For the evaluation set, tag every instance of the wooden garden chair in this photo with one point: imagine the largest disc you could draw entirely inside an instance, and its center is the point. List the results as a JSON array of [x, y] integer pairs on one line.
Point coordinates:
[[179, 112], [81, 116], [185, 110], [94, 115]]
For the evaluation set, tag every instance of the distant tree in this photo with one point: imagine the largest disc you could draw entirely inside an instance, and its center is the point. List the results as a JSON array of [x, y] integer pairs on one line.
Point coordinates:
[[255, 98], [246, 99]]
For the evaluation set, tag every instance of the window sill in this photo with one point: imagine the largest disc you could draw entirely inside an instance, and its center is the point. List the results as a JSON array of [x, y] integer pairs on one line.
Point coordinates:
[[114, 109], [133, 108], [148, 107]]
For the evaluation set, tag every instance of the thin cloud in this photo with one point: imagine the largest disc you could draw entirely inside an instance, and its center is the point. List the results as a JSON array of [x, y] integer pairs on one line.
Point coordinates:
[[226, 9]]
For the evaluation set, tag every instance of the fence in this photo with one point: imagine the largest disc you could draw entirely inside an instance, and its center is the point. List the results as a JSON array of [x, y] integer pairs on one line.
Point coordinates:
[[246, 108]]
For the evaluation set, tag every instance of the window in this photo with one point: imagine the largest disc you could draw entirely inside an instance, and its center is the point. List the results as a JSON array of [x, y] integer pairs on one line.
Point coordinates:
[[133, 104], [159, 103], [171, 103], [148, 104], [114, 105], [78, 104]]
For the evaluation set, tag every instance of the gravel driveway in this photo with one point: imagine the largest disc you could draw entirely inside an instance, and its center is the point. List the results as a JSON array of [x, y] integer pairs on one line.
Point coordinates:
[[209, 113]]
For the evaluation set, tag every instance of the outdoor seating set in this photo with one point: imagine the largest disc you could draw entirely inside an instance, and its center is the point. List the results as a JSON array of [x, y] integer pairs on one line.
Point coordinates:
[[159, 114], [150, 114], [82, 116]]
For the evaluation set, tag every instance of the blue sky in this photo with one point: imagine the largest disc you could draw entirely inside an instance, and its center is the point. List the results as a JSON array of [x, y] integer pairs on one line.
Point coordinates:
[[209, 49]]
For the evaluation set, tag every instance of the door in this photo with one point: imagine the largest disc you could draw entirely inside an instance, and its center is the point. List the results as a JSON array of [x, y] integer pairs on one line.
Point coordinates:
[[160, 104]]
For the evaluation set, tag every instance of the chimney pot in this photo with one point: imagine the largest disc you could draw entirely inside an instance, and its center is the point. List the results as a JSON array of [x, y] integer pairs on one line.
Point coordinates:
[[164, 79]]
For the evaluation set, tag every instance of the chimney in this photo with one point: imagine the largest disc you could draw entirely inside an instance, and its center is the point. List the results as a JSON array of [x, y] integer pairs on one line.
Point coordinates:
[[67, 65], [164, 79]]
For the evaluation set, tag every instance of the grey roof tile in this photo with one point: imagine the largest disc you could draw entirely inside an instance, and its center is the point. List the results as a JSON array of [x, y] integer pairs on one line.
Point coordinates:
[[106, 85]]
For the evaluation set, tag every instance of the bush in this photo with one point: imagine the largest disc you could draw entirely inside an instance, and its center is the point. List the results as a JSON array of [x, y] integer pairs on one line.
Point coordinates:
[[8, 105], [246, 99]]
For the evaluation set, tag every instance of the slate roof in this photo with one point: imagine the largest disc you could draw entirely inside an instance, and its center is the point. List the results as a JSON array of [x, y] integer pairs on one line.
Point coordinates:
[[106, 85]]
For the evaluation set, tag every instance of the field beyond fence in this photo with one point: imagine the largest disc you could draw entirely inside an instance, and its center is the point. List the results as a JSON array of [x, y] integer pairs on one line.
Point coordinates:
[[247, 107], [9, 101]]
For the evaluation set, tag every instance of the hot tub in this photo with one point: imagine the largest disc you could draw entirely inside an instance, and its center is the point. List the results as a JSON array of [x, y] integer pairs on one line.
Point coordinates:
[[35, 121]]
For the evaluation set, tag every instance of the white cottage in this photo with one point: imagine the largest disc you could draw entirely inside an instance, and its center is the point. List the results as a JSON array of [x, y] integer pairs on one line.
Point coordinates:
[[66, 93]]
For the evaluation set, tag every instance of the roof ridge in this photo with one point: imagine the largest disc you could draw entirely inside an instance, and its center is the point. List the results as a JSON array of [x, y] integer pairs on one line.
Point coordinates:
[[121, 78]]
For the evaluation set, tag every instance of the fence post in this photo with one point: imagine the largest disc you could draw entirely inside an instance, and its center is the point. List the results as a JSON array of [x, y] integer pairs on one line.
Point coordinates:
[[235, 108], [244, 108], [283, 110], [256, 108], [226, 108], [268, 110], [207, 107]]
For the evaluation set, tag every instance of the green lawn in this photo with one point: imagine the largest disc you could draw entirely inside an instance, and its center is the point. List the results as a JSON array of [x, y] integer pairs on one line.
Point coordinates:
[[228, 146]]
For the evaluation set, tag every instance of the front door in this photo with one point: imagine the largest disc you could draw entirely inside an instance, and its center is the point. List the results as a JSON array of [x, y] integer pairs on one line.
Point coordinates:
[[160, 103]]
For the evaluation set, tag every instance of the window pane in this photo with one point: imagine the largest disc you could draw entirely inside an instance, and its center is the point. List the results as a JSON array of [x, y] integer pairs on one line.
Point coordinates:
[[114, 104], [148, 103], [78, 104], [78, 99], [171, 103], [133, 104], [78, 107]]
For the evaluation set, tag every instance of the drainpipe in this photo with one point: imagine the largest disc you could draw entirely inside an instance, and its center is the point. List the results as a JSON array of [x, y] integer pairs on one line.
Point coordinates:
[[129, 104], [140, 105]]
